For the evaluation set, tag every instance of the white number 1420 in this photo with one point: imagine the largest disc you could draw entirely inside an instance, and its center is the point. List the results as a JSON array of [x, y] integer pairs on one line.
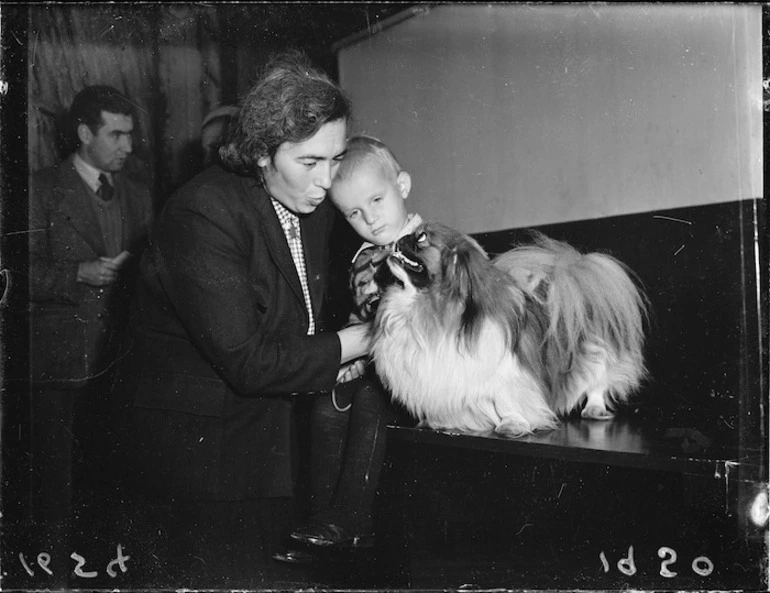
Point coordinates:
[[701, 565]]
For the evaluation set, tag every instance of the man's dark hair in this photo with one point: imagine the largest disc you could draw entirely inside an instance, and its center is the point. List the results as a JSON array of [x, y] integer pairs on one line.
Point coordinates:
[[89, 103], [290, 102]]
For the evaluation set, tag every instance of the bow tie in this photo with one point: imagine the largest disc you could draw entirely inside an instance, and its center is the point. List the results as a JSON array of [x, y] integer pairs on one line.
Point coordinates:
[[105, 191]]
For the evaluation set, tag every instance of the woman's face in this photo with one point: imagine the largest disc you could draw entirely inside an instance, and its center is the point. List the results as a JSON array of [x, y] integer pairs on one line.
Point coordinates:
[[300, 174]]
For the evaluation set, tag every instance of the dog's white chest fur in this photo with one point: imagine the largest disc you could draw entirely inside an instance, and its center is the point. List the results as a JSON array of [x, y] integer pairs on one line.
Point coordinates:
[[446, 386]]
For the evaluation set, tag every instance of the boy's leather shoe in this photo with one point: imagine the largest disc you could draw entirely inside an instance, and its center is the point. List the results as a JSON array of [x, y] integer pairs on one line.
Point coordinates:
[[328, 534], [293, 556]]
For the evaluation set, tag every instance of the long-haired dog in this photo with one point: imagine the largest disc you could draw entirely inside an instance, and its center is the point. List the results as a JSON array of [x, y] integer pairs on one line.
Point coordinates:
[[511, 344]]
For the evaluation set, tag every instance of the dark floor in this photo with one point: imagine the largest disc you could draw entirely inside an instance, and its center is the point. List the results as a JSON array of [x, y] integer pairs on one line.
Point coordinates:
[[450, 516]]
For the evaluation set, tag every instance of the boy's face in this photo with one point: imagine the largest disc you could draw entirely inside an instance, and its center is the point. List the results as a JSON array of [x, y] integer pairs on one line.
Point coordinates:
[[373, 202], [300, 173]]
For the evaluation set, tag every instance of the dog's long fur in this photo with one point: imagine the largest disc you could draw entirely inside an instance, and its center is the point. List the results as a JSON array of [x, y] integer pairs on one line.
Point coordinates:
[[512, 344]]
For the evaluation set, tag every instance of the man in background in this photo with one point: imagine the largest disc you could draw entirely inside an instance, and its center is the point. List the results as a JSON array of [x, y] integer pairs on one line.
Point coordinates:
[[88, 223]]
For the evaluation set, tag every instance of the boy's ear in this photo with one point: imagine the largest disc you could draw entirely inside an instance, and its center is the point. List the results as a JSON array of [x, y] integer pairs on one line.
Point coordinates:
[[404, 183], [263, 161]]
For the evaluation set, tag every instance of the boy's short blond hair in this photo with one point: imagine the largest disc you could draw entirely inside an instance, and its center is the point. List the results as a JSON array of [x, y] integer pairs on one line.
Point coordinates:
[[367, 149]]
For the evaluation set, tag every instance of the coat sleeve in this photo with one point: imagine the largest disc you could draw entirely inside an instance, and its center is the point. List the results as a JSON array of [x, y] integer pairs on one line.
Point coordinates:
[[224, 294], [49, 279]]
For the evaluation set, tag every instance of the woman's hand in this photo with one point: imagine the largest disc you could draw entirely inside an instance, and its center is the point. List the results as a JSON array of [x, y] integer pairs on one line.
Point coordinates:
[[355, 342], [351, 370]]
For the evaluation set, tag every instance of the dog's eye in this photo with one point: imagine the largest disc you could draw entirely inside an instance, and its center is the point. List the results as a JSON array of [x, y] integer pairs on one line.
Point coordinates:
[[422, 238]]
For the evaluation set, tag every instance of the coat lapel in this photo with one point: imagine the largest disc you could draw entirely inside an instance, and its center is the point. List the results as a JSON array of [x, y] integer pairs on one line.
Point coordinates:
[[75, 207], [313, 242], [275, 238]]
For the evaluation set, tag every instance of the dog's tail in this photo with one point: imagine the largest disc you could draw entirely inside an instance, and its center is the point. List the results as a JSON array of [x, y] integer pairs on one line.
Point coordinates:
[[588, 296]]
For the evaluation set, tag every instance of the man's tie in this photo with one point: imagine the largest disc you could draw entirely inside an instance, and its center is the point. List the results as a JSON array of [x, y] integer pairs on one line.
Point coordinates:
[[105, 191]]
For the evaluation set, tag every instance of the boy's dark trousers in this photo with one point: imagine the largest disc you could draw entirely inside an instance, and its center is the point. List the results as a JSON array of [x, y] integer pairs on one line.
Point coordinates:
[[348, 452]]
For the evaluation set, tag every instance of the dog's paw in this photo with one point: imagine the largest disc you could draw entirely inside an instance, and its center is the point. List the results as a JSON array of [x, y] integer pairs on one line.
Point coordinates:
[[513, 427], [596, 412]]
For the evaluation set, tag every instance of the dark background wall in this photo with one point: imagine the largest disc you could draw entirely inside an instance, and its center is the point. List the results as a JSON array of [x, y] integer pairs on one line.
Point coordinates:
[[176, 61]]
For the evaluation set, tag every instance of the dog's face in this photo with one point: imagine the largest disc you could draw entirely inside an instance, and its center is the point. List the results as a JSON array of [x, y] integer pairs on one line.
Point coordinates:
[[436, 257], [449, 283]]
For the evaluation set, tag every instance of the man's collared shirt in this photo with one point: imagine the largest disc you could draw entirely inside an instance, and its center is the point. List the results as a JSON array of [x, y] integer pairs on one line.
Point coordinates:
[[89, 173]]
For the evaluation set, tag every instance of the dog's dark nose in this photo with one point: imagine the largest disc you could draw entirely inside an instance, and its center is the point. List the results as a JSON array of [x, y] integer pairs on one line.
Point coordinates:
[[383, 277]]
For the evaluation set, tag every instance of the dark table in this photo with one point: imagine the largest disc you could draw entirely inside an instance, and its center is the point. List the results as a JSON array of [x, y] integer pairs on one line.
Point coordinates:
[[592, 504]]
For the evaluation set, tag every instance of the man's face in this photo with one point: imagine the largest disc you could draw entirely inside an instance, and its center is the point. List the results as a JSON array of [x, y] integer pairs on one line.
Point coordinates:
[[300, 173], [108, 149]]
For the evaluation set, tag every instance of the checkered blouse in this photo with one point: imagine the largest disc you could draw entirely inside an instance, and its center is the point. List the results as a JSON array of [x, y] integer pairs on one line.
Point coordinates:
[[290, 223]]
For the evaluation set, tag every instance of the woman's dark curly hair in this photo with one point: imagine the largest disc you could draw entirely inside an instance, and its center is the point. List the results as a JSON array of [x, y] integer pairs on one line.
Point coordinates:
[[290, 102]]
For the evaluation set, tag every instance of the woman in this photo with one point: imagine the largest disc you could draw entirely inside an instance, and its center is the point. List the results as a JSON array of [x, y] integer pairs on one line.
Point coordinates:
[[230, 331]]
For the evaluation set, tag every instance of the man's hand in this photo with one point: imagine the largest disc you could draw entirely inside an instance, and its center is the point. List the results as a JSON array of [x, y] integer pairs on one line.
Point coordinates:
[[102, 271], [122, 258]]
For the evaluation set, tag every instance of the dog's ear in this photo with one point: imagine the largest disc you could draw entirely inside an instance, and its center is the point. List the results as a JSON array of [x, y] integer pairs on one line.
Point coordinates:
[[462, 261], [464, 266], [457, 278]]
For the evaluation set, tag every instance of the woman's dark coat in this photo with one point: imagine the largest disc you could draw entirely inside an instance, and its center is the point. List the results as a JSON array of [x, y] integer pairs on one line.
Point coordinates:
[[222, 348]]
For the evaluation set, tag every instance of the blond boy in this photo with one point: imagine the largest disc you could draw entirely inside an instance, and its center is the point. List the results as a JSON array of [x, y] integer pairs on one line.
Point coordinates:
[[348, 428], [371, 191]]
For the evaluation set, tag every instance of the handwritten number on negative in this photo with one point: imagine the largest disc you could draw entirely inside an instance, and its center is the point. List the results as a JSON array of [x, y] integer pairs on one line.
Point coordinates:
[[44, 561]]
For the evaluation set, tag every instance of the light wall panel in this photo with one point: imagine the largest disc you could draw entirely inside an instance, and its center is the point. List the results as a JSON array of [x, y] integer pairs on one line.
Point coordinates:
[[517, 115]]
